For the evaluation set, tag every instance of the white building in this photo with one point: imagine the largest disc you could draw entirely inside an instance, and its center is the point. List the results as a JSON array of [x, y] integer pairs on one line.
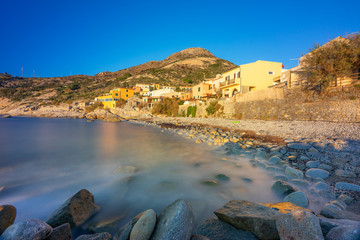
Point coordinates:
[[160, 92]]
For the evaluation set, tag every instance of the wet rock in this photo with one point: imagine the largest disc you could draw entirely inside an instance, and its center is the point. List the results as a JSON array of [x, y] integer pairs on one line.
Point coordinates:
[[346, 199], [76, 210], [274, 160], [29, 229], [344, 173], [297, 198], [97, 236], [335, 212], [62, 232], [283, 178], [107, 226], [249, 216], [7, 217], [285, 207], [215, 229], [312, 164], [294, 173], [316, 172], [299, 225], [340, 204], [144, 227], [344, 233], [327, 224], [222, 177], [347, 186], [174, 222], [282, 188], [247, 180], [299, 182], [298, 146], [325, 167], [124, 232]]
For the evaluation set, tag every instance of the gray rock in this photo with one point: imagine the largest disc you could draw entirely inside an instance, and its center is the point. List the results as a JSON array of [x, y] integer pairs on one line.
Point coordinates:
[[124, 232], [282, 188], [325, 167], [222, 177], [175, 222], [298, 146], [340, 204], [76, 210], [7, 217], [62, 232], [250, 216], [346, 199], [304, 158], [312, 164], [333, 211], [316, 172], [297, 198], [321, 186], [274, 160], [29, 229], [344, 173], [215, 229], [198, 237], [144, 227], [344, 233], [299, 182], [327, 224], [299, 225], [247, 180], [347, 186], [96, 236], [294, 173]]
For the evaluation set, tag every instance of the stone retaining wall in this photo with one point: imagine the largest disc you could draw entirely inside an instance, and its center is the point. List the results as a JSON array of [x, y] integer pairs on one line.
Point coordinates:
[[338, 105]]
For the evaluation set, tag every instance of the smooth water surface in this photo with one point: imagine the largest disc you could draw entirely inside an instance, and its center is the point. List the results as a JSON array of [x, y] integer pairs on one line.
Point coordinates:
[[128, 167]]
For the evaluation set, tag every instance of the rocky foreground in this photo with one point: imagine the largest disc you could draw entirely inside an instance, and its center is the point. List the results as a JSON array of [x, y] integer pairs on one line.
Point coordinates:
[[236, 220]]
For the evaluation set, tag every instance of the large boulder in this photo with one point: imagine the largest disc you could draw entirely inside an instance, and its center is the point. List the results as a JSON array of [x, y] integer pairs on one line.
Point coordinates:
[[299, 225], [215, 229], [97, 236], [282, 188], [351, 232], [144, 227], [29, 229], [249, 216], [298, 198], [62, 232], [331, 210], [294, 173], [76, 210], [124, 232], [314, 173], [285, 207], [7, 217], [176, 221]]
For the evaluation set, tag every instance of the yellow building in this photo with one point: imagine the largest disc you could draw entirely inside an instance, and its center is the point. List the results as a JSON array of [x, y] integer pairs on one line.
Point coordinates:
[[109, 100], [249, 77]]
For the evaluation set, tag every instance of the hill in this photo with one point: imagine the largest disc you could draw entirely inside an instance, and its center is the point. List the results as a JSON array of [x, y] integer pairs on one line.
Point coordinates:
[[189, 66]]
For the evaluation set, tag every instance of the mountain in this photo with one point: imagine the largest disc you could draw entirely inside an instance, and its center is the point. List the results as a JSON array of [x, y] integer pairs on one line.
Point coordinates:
[[186, 67]]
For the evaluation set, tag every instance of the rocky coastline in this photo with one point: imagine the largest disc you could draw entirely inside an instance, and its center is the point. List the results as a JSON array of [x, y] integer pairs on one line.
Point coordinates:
[[317, 177]]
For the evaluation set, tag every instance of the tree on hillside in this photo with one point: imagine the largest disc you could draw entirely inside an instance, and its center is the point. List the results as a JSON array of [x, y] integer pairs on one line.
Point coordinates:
[[335, 59]]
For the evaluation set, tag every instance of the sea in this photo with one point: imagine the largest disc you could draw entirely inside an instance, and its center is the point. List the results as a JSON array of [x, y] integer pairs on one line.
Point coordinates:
[[129, 167]]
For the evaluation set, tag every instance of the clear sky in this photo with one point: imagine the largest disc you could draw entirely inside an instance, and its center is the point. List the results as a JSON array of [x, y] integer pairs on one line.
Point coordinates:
[[59, 38]]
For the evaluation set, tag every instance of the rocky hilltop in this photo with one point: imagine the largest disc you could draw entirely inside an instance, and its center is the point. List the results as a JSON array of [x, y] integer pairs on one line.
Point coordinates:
[[186, 67]]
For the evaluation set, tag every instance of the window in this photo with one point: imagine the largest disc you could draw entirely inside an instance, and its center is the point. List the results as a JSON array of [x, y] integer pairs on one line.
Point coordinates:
[[116, 94], [238, 74], [127, 90], [127, 95], [198, 89], [271, 73]]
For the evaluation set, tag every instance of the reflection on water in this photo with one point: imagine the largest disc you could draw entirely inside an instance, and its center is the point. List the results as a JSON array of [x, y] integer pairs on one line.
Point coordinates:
[[129, 168]]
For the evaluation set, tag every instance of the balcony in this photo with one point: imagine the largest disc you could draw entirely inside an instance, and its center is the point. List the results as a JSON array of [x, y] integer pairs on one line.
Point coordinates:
[[228, 82]]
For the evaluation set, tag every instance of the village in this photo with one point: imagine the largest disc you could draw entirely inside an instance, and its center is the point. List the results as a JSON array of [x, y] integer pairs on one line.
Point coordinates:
[[227, 86]]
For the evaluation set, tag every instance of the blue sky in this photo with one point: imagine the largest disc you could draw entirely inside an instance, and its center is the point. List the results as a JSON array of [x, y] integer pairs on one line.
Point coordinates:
[[59, 38]]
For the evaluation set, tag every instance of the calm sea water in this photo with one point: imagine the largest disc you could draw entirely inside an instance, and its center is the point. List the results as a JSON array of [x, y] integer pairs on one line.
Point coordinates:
[[128, 167]]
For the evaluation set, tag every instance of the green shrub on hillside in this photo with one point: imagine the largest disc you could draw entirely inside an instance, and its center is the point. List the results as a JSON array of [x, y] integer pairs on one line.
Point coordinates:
[[168, 106], [213, 108], [191, 111]]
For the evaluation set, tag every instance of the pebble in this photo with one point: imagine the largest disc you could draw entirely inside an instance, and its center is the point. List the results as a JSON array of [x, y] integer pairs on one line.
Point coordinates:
[[292, 172], [316, 172], [347, 186], [312, 164]]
